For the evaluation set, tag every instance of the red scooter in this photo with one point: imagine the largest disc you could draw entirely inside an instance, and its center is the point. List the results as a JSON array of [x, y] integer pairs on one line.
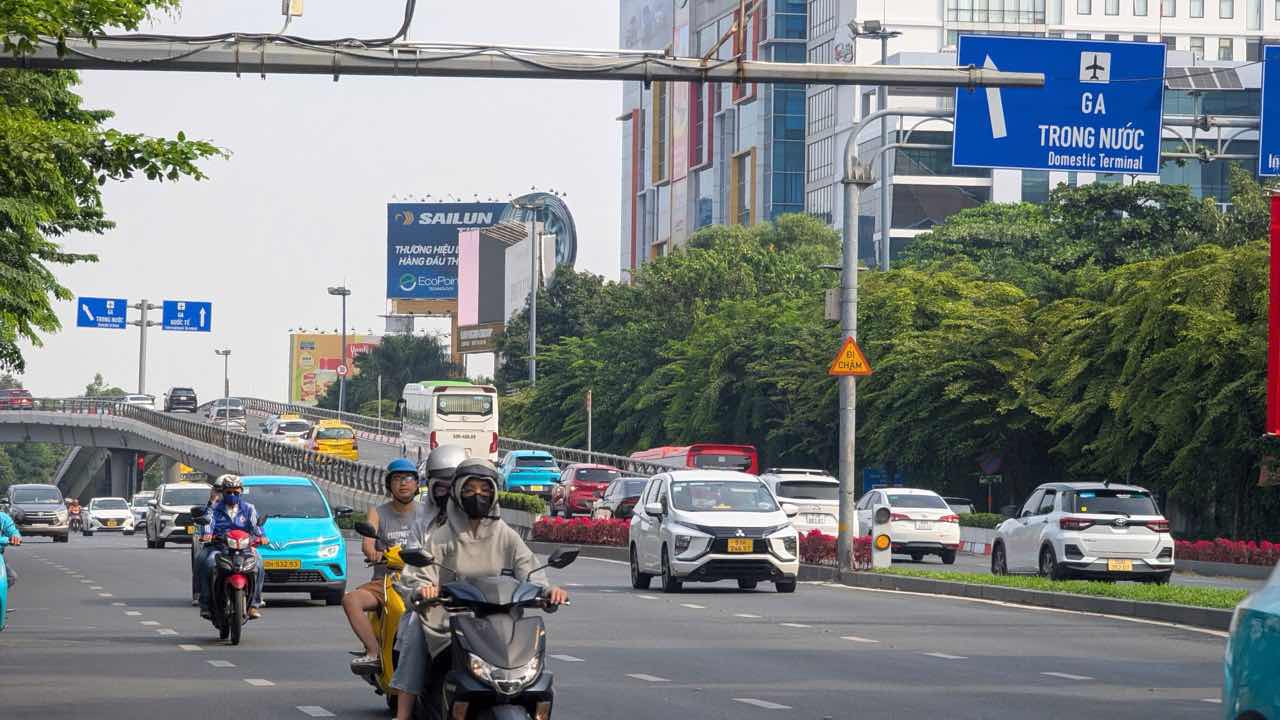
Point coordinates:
[[234, 575]]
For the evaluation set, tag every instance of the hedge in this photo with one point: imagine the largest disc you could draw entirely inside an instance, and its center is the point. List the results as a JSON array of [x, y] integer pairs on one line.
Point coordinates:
[[981, 520], [1239, 552], [582, 531], [522, 501], [819, 549]]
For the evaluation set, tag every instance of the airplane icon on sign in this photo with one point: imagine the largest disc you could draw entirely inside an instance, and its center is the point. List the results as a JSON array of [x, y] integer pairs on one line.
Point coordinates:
[[1095, 67]]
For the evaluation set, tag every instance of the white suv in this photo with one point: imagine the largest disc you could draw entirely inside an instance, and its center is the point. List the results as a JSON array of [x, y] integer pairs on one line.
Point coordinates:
[[921, 523], [169, 517], [1094, 530], [709, 525], [814, 493]]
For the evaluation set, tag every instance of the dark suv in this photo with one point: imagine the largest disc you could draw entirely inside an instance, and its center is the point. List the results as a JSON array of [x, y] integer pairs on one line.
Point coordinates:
[[180, 398], [37, 510], [16, 399]]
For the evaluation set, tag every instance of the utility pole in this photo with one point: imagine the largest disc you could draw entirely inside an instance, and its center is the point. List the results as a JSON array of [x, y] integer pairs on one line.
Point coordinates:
[[874, 29], [142, 306], [342, 292], [226, 394], [534, 271], [588, 421]]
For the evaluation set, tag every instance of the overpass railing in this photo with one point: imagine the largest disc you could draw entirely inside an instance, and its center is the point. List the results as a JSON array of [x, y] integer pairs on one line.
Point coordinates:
[[386, 429], [569, 456]]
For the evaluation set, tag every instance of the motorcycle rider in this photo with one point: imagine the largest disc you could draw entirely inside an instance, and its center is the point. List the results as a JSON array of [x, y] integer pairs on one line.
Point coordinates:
[[9, 535], [215, 492], [473, 542], [230, 513], [393, 521]]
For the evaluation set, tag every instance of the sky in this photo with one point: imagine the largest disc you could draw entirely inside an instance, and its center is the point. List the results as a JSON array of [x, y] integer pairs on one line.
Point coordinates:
[[300, 204]]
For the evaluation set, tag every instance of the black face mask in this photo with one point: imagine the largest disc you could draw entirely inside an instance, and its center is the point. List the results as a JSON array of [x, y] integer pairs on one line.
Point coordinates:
[[477, 506]]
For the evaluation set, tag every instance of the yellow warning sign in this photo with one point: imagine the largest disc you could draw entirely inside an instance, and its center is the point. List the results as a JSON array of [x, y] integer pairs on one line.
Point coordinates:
[[185, 469], [850, 360]]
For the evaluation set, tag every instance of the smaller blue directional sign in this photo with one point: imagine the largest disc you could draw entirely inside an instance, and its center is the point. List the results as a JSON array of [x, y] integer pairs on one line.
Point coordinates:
[[1098, 112], [101, 312], [1269, 133], [187, 316]]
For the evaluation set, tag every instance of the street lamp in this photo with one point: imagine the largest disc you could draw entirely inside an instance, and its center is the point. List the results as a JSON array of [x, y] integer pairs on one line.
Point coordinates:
[[534, 271], [875, 29], [226, 393], [342, 292]]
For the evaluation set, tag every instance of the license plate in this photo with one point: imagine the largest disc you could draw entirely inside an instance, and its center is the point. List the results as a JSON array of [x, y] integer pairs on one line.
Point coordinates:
[[281, 564], [536, 488], [112, 523], [191, 529], [816, 519], [924, 525], [1120, 565], [740, 545]]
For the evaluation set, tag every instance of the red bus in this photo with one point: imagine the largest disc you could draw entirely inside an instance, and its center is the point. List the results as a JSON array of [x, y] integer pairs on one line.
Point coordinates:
[[706, 456]]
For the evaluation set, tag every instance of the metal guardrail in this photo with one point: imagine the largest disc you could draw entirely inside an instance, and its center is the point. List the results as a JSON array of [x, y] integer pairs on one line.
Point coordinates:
[[568, 456], [387, 427]]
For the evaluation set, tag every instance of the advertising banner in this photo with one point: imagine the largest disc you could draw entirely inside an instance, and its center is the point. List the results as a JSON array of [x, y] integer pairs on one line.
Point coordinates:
[[479, 338], [314, 359], [422, 246]]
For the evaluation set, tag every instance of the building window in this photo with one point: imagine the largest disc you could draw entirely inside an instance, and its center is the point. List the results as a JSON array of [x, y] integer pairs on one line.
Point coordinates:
[[822, 17], [1139, 38], [1035, 186], [790, 19], [822, 159], [1278, 9], [1168, 8], [822, 53], [1253, 14], [1197, 8], [1113, 7], [868, 103], [1140, 8], [1083, 36], [1054, 34], [1226, 9], [742, 183], [822, 110], [1225, 47], [1112, 36], [1084, 7], [1197, 48], [1170, 41], [698, 123], [658, 130], [819, 203]]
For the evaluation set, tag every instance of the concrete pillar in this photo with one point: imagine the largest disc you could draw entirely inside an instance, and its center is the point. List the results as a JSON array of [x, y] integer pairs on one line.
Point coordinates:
[[121, 469], [171, 474]]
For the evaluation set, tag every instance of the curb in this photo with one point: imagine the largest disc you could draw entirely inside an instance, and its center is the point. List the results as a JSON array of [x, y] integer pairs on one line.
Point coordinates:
[[1221, 569], [602, 552]]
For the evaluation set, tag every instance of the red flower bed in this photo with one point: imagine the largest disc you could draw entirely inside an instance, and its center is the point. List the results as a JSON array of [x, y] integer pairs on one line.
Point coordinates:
[[582, 531], [1240, 552], [819, 549]]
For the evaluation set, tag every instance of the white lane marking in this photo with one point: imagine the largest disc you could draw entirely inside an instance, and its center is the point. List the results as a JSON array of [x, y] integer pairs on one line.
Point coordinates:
[[118, 604], [794, 625], [765, 704], [647, 678], [647, 597], [87, 582], [748, 616], [693, 606], [167, 631], [190, 648], [1066, 676], [855, 638], [148, 622], [566, 658], [221, 663], [1215, 701], [573, 584], [315, 711], [259, 682], [608, 590], [105, 595], [95, 587], [606, 560], [945, 656], [132, 613]]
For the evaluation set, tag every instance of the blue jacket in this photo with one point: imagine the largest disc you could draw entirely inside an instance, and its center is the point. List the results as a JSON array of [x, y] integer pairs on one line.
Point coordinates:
[[7, 530], [243, 517]]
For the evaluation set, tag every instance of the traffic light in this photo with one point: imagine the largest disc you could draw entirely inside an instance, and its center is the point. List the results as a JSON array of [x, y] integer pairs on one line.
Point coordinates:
[[881, 540], [142, 464]]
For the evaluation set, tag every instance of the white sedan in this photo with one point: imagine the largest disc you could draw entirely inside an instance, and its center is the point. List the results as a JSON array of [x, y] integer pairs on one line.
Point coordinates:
[[108, 514], [921, 522]]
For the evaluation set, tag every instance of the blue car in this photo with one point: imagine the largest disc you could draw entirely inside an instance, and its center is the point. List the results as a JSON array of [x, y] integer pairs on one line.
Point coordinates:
[[306, 553], [530, 471], [1251, 690]]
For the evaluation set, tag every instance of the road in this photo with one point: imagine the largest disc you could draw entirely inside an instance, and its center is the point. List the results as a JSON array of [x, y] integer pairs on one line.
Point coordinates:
[[102, 626], [371, 451]]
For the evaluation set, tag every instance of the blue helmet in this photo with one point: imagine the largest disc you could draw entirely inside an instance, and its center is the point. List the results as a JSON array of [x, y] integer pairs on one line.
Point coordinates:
[[400, 465]]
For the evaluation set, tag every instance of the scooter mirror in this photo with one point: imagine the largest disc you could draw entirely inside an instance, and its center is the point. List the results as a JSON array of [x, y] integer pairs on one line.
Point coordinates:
[[196, 511], [417, 557], [202, 520], [364, 529], [563, 557]]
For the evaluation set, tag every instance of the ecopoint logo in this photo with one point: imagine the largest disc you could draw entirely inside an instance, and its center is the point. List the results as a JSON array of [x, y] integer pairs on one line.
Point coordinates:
[[408, 282]]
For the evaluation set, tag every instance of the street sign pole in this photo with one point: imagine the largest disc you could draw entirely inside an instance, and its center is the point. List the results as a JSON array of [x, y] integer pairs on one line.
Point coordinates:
[[1273, 334], [143, 323]]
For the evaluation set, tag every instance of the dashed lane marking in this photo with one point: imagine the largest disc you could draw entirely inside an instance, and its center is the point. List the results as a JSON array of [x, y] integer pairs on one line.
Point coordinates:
[[132, 613], [105, 595], [647, 678], [945, 656], [148, 622], [119, 604], [315, 711], [167, 631], [693, 606], [566, 658], [608, 590], [190, 648], [794, 625], [855, 638], [259, 682], [764, 704], [748, 616], [647, 597], [1213, 701], [221, 663], [95, 587], [1066, 676]]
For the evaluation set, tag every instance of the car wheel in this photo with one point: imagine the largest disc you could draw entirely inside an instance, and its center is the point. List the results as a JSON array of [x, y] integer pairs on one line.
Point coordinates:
[[87, 533], [1049, 566], [948, 557], [128, 532], [785, 586], [917, 557], [63, 538], [1161, 579], [639, 580], [670, 584], [999, 562], [159, 544], [333, 597], [747, 584]]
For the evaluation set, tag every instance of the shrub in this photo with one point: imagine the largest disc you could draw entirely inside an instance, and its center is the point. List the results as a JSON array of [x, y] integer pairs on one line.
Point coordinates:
[[582, 531], [819, 549], [981, 520], [522, 501], [1240, 552]]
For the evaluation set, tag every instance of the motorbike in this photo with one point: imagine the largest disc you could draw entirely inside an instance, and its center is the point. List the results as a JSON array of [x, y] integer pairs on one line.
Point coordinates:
[[4, 587], [234, 574], [497, 657], [75, 521], [386, 621]]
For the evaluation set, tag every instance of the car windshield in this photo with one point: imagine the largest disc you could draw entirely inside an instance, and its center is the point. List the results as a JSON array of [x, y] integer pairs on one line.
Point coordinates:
[[600, 475], [182, 391], [450, 404], [297, 501], [334, 433], [141, 500], [234, 413], [809, 490], [535, 462], [717, 461], [1111, 502], [292, 426], [110, 504], [722, 496], [633, 488], [913, 500], [37, 495], [177, 497]]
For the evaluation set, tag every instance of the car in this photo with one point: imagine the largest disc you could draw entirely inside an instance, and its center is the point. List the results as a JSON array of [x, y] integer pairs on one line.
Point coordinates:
[[139, 400], [619, 499], [306, 551], [530, 471], [169, 513], [180, 398], [921, 523], [231, 418], [38, 510], [711, 525], [139, 506], [16, 399], [814, 492], [333, 438], [1091, 530], [1251, 690], [580, 485], [288, 429], [108, 514], [960, 506]]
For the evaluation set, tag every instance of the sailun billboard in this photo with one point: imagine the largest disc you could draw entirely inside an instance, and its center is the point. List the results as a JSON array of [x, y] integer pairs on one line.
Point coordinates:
[[422, 246]]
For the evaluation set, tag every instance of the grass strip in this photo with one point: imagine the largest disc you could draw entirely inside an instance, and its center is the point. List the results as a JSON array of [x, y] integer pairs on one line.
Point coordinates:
[[1207, 597]]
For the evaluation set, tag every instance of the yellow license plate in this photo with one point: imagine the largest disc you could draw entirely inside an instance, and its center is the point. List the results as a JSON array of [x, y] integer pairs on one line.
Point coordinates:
[[1120, 565], [191, 529], [112, 523], [740, 545], [281, 564], [536, 488]]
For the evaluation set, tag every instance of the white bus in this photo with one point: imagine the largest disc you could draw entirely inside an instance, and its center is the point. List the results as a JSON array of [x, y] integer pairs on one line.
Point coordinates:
[[444, 412]]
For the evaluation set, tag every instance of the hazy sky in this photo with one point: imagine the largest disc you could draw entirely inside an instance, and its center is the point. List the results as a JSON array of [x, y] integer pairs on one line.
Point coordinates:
[[300, 204]]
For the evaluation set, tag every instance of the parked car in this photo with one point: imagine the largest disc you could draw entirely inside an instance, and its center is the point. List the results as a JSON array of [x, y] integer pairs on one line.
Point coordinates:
[[180, 398], [307, 552], [1251, 690], [16, 399], [530, 471], [288, 429], [335, 438], [139, 506], [960, 506], [1093, 530], [580, 485], [108, 514], [815, 493], [921, 522], [620, 498], [709, 525], [169, 513], [37, 510]]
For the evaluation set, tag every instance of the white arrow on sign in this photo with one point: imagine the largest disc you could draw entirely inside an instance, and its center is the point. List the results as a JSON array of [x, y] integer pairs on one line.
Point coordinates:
[[995, 106], [201, 317], [88, 313]]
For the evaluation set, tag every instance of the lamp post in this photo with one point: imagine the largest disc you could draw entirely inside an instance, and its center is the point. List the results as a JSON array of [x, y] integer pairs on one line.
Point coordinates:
[[534, 272], [342, 292], [226, 393], [875, 29]]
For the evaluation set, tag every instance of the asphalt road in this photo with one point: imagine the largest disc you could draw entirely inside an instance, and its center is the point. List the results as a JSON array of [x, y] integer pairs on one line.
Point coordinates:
[[103, 627]]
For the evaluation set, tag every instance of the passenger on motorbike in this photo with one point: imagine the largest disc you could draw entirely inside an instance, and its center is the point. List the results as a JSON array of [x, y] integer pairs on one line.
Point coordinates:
[[473, 542], [215, 493], [230, 513], [393, 520], [9, 535]]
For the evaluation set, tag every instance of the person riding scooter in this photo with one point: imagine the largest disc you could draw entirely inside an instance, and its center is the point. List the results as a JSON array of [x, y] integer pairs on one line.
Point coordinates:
[[473, 542], [230, 513], [9, 535]]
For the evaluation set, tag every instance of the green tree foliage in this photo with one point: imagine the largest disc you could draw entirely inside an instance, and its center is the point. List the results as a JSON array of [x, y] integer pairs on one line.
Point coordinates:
[[28, 461], [399, 360], [54, 157], [99, 388]]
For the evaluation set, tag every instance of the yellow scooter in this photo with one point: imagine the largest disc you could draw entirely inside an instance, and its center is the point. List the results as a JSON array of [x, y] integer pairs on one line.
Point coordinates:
[[387, 620]]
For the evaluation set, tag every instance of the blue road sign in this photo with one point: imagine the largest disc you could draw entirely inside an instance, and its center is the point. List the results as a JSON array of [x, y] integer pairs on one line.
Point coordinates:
[[101, 312], [1099, 110], [1269, 133], [187, 316]]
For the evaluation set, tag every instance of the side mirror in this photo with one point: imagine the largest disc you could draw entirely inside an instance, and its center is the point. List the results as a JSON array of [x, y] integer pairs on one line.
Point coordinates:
[[1026, 514], [653, 508], [197, 511], [364, 529], [790, 510], [562, 557], [417, 557], [342, 511], [400, 407]]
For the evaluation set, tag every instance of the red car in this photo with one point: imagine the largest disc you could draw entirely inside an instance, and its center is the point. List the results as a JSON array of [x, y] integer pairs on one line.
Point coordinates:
[[579, 487], [16, 399]]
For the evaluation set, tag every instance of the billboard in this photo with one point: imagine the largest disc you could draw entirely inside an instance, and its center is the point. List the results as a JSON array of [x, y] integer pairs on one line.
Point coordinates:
[[646, 24], [314, 360], [422, 246]]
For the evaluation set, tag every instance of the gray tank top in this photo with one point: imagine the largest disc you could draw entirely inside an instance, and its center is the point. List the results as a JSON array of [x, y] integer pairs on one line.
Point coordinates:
[[394, 528]]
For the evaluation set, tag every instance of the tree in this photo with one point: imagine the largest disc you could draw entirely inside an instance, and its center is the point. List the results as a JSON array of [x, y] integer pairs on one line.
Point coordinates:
[[564, 310], [99, 389], [399, 360], [54, 158], [29, 461]]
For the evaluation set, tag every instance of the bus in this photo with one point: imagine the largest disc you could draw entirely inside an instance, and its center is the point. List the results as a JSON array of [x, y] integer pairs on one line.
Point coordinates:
[[707, 456], [449, 412]]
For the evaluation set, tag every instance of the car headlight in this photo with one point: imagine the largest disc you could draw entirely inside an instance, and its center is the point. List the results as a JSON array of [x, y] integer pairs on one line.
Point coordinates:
[[507, 682], [62, 516], [682, 543], [328, 551], [789, 544]]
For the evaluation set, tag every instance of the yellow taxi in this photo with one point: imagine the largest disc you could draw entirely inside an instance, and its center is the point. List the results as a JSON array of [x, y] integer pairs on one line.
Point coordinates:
[[335, 438]]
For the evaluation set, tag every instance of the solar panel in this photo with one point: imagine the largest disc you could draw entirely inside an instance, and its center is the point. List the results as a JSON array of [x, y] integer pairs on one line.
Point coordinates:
[[1203, 78], [1229, 79], [1176, 79]]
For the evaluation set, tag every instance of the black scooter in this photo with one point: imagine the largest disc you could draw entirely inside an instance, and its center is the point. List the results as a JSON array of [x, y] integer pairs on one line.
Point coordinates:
[[497, 657]]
